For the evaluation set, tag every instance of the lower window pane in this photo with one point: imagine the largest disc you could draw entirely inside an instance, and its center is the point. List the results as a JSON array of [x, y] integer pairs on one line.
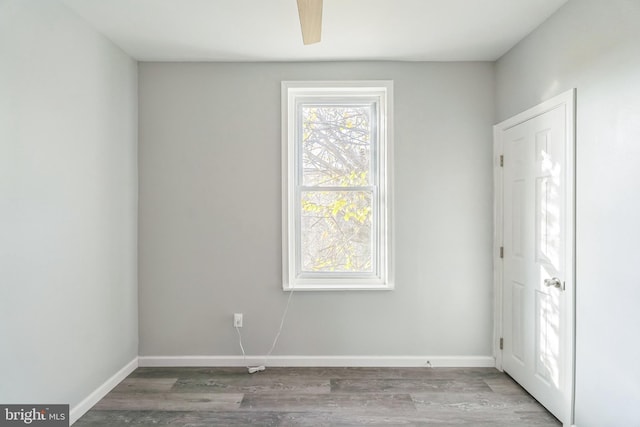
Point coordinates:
[[336, 231]]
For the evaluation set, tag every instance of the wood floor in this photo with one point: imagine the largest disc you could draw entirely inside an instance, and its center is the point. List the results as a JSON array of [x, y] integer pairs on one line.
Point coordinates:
[[479, 397]]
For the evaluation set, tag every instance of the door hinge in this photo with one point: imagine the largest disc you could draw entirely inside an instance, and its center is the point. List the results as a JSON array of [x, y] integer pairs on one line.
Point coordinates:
[[501, 343], [501, 251], [501, 160]]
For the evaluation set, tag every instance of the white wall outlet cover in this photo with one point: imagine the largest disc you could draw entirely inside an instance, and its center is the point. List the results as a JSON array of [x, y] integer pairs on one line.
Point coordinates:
[[237, 320]]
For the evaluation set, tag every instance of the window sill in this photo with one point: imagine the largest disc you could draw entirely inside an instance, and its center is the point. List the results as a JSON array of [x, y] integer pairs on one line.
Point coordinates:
[[338, 287]]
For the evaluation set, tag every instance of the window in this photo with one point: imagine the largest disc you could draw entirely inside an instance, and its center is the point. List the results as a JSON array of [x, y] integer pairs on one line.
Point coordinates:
[[337, 181]]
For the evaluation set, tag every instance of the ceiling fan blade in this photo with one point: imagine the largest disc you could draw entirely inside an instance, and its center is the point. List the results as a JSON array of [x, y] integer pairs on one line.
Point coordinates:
[[310, 12]]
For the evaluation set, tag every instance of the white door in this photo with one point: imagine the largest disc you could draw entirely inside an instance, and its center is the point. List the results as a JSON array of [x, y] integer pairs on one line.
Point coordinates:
[[537, 263]]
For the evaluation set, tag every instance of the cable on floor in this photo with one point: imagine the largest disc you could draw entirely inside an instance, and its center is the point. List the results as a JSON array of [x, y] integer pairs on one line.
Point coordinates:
[[254, 369]]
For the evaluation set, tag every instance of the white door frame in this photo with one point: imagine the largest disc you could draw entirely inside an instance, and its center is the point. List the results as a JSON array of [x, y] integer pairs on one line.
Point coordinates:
[[568, 99]]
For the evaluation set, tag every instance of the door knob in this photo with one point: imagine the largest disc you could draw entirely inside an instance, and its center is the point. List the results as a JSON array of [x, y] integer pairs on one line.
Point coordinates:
[[555, 282]]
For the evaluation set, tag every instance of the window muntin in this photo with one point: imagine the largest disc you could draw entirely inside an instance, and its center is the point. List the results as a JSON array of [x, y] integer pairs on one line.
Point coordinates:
[[337, 204]]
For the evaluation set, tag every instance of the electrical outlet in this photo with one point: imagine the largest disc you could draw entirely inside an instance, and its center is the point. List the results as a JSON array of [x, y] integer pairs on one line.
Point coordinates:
[[237, 320]]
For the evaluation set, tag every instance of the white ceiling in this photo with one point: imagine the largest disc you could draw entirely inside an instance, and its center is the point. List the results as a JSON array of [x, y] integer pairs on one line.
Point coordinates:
[[269, 30]]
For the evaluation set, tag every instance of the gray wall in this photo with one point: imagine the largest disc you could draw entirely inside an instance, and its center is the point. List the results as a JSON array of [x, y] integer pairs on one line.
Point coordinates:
[[68, 205], [593, 45], [210, 215]]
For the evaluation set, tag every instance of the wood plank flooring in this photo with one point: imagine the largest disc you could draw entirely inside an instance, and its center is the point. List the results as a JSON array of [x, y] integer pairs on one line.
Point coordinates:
[[198, 397]]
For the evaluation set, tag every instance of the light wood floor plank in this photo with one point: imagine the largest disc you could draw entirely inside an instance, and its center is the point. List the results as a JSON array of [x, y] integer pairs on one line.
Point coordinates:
[[408, 385], [481, 407]]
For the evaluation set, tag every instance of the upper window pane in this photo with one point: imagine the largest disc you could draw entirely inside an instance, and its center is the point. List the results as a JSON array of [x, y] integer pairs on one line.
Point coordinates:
[[336, 144]]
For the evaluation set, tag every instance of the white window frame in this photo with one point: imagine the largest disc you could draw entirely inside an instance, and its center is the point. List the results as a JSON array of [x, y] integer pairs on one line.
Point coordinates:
[[381, 92]]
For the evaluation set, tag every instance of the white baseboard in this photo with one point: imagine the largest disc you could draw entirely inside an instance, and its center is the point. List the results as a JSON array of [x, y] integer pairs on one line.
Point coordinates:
[[81, 408], [320, 361]]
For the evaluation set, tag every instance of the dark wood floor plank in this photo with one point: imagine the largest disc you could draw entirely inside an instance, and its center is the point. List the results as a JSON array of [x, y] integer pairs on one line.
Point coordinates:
[[96, 418], [323, 372], [186, 372], [253, 384], [170, 401], [344, 419], [332, 401], [145, 385], [347, 419], [385, 373], [103, 418]]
